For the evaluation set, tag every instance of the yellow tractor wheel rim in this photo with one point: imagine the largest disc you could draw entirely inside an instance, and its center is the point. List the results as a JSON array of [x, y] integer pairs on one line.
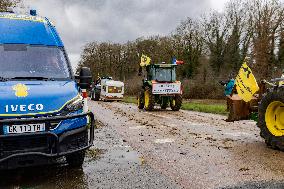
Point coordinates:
[[274, 118], [147, 99]]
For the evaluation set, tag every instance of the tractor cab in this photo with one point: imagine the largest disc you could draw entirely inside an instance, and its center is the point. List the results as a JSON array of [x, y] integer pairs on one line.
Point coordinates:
[[162, 72]]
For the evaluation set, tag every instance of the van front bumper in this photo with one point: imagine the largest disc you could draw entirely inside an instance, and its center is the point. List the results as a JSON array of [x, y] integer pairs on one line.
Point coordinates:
[[21, 150]]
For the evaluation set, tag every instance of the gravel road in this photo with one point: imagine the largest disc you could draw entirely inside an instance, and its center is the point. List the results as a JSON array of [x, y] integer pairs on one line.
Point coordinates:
[[162, 149], [196, 150]]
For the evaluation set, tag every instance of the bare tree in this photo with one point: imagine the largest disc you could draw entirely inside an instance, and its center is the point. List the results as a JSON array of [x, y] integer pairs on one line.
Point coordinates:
[[189, 46], [6, 4], [215, 29], [267, 18]]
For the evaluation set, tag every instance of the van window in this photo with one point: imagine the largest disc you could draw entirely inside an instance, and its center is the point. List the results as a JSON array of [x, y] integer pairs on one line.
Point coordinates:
[[18, 60]]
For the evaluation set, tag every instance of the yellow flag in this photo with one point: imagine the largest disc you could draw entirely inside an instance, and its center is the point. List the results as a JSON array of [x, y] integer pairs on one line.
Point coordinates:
[[246, 83], [145, 60]]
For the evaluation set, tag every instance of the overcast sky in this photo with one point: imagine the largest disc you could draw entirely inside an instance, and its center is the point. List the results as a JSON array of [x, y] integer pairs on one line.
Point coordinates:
[[83, 21]]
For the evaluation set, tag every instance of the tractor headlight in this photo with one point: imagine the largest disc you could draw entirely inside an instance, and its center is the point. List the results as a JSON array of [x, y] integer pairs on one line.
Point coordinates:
[[75, 105]]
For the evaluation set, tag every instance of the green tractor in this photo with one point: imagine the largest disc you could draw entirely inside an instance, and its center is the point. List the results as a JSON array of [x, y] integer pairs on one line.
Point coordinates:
[[271, 115], [160, 87]]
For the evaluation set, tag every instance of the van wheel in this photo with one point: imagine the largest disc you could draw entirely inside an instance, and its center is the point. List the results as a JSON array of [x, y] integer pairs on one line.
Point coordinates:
[[97, 96], [92, 96], [76, 160]]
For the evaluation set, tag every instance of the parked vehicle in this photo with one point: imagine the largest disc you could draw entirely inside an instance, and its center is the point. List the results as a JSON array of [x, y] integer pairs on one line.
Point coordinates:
[[107, 89], [43, 110], [160, 87], [271, 114], [265, 106]]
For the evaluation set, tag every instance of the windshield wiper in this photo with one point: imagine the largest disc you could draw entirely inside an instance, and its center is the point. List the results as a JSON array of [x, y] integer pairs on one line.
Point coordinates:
[[34, 78]]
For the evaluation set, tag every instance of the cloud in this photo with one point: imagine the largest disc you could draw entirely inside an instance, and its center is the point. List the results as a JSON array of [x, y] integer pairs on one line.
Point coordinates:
[[80, 22]]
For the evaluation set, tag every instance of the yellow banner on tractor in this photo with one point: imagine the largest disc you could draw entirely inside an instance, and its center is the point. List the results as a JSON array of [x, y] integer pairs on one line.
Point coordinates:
[[246, 83], [145, 60]]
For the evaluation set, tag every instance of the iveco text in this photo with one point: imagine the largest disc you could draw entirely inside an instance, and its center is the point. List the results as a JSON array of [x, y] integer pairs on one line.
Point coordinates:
[[24, 108]]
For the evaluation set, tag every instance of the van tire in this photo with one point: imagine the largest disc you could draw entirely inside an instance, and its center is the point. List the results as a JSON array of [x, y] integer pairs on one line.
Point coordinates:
[[97, 96], [76, 160], [92, 96]]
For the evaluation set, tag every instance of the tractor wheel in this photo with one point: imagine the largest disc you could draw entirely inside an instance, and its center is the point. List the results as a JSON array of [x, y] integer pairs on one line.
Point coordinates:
[[140, 101], [149, 99], [271, 119], [176, 102]]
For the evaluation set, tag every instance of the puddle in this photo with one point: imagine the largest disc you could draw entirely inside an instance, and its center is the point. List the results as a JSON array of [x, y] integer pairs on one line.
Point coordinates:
[[240, 134], [137, 127], [53, 176]]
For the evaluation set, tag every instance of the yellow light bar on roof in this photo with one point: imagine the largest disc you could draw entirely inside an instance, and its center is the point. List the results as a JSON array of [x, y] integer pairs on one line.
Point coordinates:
[[23, 17]]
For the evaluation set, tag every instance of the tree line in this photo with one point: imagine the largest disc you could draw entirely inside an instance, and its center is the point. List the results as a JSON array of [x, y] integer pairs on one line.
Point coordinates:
[[5, 5], [213, 46]]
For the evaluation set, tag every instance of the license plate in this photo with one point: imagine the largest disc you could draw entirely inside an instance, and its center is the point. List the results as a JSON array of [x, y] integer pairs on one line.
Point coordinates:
[[28, 128]]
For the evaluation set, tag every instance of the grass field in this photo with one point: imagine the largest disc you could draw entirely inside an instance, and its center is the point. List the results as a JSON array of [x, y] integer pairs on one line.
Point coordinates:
[[130, 99], [206, 105]]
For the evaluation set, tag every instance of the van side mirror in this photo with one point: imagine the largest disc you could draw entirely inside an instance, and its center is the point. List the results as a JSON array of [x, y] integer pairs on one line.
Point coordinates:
[[85, 78]]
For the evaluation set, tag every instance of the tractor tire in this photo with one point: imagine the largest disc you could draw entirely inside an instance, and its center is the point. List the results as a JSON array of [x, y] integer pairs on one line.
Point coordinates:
[[76, 160], [176, 102], [149, 99], [97, 96], [271, 119], [140, 100]]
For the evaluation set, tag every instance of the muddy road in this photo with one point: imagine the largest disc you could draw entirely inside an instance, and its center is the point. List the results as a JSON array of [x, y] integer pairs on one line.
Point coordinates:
[[162, 149], [196, 150], [111, 163]]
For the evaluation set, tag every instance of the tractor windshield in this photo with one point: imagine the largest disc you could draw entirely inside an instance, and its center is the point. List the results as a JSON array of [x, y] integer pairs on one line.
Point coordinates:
[[165, 74]]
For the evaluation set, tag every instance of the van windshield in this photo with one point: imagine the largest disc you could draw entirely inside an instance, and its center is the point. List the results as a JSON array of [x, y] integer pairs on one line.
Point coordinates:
[[25, 61]]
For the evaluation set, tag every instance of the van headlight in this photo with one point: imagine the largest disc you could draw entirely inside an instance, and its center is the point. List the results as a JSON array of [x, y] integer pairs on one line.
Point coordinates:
[[75, 105]]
